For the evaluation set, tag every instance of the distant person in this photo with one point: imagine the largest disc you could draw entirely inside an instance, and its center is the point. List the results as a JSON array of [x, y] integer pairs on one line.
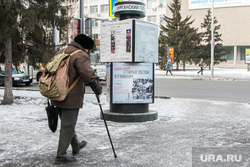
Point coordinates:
[[169, 67], [201, 64]]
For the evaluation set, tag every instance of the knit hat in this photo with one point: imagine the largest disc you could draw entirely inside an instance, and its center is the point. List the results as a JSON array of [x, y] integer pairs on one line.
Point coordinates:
[[85, 41]]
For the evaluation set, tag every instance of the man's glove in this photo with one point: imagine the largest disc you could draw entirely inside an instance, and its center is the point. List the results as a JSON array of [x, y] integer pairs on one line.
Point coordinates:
[[96, 87]]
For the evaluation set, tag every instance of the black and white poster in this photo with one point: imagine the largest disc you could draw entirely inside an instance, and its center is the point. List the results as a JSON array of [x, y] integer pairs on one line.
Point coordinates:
[[132, 83]]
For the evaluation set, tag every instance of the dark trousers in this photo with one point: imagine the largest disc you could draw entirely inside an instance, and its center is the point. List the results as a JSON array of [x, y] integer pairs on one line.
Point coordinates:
[[201, 71], [169, 71], [67, 131]]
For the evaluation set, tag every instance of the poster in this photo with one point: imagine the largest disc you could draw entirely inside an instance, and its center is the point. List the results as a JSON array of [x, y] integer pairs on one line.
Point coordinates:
[[116, 41], [146, 42], [171, 54], [132, 83], [247, 55]]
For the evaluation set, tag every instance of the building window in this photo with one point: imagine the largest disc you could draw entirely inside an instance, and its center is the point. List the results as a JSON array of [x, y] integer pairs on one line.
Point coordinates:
[[229, 56], [86, 10], [163, 33], [94, 9], [94, 23], [162, 21], [151, 4], [151, 19], [104, 8], [241, 55], [162, 3]]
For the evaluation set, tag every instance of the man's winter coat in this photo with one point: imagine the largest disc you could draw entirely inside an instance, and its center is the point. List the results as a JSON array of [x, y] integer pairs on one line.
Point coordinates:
[[79, 65]]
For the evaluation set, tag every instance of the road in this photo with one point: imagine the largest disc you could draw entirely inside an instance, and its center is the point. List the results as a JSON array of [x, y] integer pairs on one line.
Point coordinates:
[[236, 91]]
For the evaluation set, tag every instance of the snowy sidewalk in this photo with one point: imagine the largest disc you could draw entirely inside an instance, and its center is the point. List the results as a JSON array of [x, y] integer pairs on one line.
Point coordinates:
[[26, 140], [219, 74]]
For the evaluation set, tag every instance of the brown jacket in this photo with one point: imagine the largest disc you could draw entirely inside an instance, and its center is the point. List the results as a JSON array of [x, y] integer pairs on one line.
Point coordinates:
[[79, 65]]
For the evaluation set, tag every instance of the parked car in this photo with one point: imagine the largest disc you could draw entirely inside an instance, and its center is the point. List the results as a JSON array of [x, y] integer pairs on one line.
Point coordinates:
[[18, 78], [100, 70]]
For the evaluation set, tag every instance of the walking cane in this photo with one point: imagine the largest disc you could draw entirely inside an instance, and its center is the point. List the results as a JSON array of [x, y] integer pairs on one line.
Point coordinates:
[[98, 100]]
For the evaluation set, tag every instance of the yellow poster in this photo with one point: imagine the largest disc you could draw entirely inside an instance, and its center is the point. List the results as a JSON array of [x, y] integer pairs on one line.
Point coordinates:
[[248, 55]]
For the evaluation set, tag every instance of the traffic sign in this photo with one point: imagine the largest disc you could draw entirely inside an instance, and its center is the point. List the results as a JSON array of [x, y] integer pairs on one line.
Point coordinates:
[[111, 7]]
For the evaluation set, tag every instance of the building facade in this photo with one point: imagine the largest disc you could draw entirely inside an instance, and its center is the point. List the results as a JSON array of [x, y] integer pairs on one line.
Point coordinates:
[[232, 15]]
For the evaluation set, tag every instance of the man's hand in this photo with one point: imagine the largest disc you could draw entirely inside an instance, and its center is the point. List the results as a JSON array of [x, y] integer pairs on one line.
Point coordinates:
[[96, 87]]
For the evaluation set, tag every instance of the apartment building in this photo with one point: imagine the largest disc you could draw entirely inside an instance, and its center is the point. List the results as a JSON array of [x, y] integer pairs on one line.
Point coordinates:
[[232, 15]]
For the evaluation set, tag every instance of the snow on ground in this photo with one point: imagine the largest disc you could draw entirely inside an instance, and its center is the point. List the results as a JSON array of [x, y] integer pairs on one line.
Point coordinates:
[[26, 140], [225, 74]]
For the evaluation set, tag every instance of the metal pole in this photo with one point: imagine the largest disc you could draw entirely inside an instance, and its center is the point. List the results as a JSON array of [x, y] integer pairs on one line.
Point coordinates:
[[82, 15], [212, 41]]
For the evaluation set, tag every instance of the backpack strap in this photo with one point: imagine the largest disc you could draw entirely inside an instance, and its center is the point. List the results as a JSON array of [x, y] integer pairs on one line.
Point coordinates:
[[74, 52], [74, 83]]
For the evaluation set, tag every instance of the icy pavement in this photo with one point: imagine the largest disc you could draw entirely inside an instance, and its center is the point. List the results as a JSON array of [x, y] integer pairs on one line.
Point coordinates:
[[26, 140]]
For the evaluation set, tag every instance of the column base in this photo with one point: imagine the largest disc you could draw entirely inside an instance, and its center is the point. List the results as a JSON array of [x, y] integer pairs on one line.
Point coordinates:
[[130, 117]]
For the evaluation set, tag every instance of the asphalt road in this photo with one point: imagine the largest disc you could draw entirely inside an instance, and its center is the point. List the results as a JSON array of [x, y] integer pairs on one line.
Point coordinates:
[[236, 91]]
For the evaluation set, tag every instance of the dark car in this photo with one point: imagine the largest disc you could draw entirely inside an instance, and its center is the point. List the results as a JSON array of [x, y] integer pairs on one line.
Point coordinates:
[[18, 78]]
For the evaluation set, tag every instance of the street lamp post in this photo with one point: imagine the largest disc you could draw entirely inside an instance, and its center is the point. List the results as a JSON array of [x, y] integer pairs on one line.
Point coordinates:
[[82, 15], [212, 41]]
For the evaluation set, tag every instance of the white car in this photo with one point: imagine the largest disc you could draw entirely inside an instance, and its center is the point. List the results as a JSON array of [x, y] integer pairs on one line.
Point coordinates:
[[100, 70]]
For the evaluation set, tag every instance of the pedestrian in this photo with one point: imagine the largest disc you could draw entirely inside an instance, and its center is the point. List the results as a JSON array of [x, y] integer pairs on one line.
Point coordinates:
[[169, 67], [201, 64], [79, 65]]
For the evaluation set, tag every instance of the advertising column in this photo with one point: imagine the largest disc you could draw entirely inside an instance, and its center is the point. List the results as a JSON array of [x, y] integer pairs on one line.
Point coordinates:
[[130, 46]]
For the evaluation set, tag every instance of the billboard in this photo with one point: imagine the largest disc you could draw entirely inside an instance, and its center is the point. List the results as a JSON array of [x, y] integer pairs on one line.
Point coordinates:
[[171, 54], [124, 41], [247, 55], [132, 83], [200, 4]]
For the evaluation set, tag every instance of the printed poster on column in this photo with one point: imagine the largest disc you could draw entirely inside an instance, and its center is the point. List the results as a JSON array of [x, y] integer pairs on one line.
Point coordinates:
[[116, 41], [132, 83], [146, 42]]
